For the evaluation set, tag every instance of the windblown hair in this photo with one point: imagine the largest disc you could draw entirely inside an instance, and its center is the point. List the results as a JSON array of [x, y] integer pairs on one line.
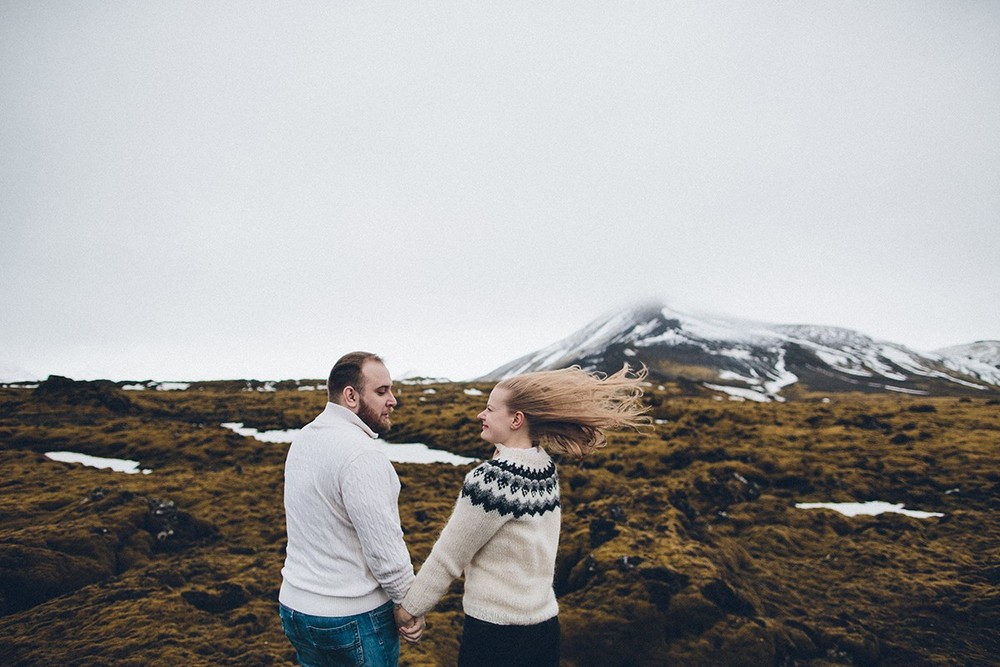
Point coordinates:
[[568, 410], [347, 372]]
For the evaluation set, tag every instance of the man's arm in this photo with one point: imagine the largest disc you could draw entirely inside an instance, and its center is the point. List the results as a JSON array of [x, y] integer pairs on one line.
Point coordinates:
[[371, 495]]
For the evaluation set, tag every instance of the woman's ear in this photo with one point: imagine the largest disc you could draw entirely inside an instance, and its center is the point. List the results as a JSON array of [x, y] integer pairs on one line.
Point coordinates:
[[518, 420]]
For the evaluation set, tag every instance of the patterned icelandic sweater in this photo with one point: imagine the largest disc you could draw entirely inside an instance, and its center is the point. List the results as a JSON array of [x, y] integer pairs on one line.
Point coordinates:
[[503, 534]]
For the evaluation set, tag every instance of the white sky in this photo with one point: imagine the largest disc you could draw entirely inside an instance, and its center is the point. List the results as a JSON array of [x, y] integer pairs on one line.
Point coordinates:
[[195, 190]]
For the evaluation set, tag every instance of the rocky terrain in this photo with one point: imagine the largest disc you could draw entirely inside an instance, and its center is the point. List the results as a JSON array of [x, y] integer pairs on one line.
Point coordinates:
[[681, 545]]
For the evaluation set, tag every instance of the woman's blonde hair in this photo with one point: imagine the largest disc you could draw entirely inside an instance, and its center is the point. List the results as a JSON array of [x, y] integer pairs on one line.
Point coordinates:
[[568, 410]]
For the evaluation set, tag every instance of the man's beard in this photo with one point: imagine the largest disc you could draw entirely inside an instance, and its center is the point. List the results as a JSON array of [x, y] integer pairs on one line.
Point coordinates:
[[373, 419]]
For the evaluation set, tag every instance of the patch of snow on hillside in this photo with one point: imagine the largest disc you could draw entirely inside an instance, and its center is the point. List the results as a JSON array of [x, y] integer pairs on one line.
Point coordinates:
[[904, 390], [734, 376], [669, 337], [602, 334], [781, 378], [118, 465], [872, 360], [905, 361], [980, 360], [159, 386], [843, 363], [640, 331], [739, 393], [984, 351], [971, 385], [829, 337], [411, 452], [283, 436], [726, 330], [172, 386], [871, 508], [542, 359], [421, 453], [983, 371]]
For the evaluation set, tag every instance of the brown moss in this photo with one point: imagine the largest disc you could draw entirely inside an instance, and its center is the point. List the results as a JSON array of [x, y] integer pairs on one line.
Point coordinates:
[[680, 545]]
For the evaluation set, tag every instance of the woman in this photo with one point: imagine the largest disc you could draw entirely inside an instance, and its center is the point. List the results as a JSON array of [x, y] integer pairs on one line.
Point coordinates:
[[504, 531]]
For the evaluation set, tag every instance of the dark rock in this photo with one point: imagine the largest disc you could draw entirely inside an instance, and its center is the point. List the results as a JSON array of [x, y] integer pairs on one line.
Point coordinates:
[[727, 599], [582, 573], [662, 584], [865, 421], [601, 531], [628, 563], [30, 575], [226, 597], [617, 514], [58, 389], [175, 530], [690, 613]]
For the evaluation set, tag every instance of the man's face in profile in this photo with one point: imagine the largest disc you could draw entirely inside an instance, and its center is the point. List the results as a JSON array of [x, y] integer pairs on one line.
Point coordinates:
[[376, 399]]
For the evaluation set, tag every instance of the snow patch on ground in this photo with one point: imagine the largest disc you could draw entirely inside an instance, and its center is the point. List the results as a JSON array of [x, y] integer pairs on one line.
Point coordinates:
[[412, 452], [871, 508], [118, 465]]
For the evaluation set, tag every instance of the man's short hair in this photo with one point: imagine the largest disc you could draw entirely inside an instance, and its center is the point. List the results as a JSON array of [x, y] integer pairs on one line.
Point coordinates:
[[347, 372]]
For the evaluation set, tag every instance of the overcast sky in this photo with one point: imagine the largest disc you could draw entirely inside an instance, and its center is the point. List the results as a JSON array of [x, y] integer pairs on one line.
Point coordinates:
[[196, 190]]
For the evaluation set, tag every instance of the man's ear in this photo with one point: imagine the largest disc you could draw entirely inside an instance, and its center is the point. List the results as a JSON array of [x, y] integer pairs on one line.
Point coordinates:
[[350, 397]]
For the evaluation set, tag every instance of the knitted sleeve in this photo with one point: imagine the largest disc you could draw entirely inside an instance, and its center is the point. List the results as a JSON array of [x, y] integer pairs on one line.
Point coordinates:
[[371, 495], [483, 507]]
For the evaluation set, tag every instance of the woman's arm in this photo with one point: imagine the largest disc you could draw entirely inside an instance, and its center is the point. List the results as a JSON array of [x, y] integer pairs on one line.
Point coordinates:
[[468, 529]]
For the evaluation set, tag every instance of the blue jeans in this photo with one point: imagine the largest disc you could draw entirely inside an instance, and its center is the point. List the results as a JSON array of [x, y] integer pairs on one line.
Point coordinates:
[[331, 641]]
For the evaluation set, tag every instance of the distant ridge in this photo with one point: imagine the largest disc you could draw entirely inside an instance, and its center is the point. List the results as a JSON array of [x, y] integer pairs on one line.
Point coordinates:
[[11, 373], [761, 361]]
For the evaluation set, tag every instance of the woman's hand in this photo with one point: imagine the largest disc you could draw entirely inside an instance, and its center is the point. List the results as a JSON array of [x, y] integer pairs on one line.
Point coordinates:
[[410, 627]]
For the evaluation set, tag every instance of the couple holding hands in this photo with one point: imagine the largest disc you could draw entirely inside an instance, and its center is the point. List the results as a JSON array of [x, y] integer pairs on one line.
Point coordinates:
[[348, 591]]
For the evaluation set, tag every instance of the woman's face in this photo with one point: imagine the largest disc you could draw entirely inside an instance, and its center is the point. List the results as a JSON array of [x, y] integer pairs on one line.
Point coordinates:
[[496, 418]]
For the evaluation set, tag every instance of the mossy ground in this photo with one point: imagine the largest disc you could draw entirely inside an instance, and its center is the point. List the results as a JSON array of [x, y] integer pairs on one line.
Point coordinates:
[[680, 545]]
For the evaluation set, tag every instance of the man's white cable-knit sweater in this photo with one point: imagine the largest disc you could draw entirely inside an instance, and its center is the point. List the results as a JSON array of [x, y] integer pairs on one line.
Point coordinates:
[[345, 552], [503, 534]]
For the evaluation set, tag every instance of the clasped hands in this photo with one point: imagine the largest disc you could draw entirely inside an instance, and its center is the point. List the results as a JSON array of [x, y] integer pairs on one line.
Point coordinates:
[[410, 627]]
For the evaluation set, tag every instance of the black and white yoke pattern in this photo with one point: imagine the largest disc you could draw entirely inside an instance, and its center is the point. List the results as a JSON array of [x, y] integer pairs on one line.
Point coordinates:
[[513, 488]]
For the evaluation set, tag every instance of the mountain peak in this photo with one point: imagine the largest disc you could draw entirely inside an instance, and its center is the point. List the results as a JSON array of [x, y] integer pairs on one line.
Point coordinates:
[[759, 361]]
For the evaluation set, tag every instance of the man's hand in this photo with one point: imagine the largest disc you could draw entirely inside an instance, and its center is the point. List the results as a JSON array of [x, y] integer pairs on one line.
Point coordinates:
[[410, 627]]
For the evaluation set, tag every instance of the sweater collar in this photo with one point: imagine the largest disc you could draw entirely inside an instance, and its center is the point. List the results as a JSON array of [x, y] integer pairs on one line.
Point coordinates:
[[531, 456], [334, 412]]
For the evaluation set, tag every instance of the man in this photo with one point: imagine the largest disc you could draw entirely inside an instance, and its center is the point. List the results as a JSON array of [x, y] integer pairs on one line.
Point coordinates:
[[346, 563]]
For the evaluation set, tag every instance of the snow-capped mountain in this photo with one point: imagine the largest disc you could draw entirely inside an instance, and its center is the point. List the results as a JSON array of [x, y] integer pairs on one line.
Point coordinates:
[[980, 359], [760, 361]]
